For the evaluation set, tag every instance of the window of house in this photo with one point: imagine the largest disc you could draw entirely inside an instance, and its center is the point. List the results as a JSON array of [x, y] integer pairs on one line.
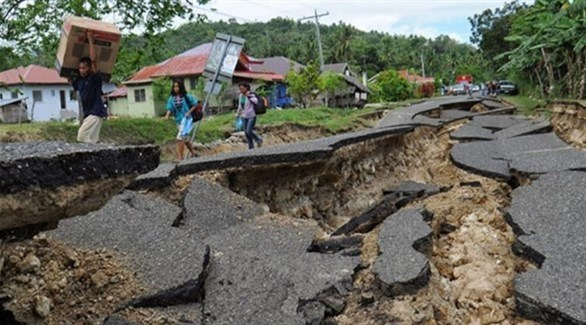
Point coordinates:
[[139, 95], [72, 95], [52, 93], [37, 96], [1, 96], [192, 83], [14, 94]]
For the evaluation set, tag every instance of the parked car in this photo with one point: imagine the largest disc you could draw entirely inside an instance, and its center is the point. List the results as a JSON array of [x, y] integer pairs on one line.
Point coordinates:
[[508, 87], [457, 89]]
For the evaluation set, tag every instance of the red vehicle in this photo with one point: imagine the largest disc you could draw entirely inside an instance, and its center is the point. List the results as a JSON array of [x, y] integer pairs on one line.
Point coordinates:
[[465, 78]]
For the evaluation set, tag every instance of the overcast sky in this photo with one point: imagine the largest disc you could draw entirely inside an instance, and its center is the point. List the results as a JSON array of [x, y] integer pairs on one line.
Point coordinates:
[[429, 18]]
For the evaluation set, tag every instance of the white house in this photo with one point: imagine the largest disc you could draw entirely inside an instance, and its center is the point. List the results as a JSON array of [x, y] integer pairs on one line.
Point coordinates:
[[49, 97]]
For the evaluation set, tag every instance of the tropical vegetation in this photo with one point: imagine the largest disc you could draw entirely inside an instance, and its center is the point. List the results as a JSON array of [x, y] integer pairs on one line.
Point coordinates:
[[540, 46]]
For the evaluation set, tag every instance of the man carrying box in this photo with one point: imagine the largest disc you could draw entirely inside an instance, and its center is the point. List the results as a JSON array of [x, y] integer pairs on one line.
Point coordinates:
[[89, 87]]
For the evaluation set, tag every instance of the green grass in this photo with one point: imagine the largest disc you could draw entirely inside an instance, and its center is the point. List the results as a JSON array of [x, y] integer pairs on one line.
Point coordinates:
[[526, 105], [334, 120], [24, 127], [158, 131]]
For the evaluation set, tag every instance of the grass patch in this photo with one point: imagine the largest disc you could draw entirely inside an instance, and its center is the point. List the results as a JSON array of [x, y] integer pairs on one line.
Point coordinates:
[[158, 131], [124, 130], [334, 120], [526, 105], [23, 127]]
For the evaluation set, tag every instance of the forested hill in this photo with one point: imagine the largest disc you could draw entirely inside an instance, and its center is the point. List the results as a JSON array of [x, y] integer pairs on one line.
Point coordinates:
[[540, 46], [373, 51]]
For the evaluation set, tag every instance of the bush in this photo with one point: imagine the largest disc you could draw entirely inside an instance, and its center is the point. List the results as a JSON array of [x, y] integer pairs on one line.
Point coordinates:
[[426, 90], [391, 87]]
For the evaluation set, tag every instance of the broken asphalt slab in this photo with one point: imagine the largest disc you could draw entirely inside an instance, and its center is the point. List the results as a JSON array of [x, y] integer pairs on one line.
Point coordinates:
[[160, 177], [140, 229], [472, 132], [53, 164], [549, 215], [448, 115], [492, 104], [406, 115], [42, 182], [477, 157], [259, 270], [493, 158], [394, 199], [298, 152], [498, 122], [552, 160], [292, 153], [524, 128], [262, 273], [210, 208], [411, 187], [401, 266]]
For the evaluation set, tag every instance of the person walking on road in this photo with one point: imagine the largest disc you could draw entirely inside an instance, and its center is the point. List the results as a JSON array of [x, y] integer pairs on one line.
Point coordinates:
[[245, 110], [181, 105], [89, 87]]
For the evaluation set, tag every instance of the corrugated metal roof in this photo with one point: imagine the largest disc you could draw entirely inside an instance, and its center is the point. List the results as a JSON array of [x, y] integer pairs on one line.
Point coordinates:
[[190, 62], [32, 74], [267, 76], [4, 102], [336, 67], [415, 78], [119, 92], [356, 83], [278, 64]]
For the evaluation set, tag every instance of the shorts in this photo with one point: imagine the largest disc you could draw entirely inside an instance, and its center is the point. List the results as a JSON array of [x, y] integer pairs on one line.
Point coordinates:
[[180, 135], [89, 131]]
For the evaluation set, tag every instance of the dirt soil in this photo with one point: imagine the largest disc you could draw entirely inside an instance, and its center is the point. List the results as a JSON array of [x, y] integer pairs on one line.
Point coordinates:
[[472, 267], [569, 122], [51, 283], [284, 133]]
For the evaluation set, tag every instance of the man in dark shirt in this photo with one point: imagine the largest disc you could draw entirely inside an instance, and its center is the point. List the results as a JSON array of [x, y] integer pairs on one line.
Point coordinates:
[[89, 86]]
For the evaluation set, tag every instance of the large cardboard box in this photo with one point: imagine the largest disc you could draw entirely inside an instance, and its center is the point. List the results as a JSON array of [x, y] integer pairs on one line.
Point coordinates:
[[74, 45]]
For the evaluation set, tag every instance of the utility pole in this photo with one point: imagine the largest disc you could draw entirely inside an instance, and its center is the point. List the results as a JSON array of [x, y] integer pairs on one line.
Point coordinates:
[[422, 65], [316, 16], [321, 55]]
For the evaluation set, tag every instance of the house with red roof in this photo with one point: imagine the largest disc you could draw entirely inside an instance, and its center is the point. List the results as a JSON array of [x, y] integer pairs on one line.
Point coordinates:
[[47, 96], [415, 78], [189, 66]]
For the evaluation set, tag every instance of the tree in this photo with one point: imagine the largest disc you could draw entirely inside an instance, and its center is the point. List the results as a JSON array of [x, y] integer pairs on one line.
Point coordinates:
[[9, 58], [162, 89], [390, 87], [30, 22], [331, 83], [490, 28], [551, 47], [340, 47], [304, 86], [33, 26]]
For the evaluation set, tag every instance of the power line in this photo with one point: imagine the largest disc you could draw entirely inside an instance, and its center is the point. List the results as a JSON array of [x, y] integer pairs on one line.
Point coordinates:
[[215, 11]]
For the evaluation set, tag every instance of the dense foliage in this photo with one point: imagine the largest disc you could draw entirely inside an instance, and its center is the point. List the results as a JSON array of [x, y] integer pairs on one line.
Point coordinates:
[[391, 87], [541, 46], [550, 39], [33, 26], [371, 52]]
